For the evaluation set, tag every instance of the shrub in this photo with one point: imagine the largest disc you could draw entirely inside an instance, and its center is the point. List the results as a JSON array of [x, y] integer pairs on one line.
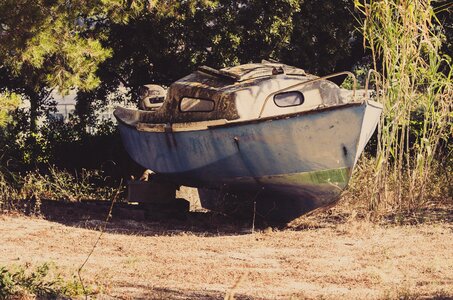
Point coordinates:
[[41, 282]]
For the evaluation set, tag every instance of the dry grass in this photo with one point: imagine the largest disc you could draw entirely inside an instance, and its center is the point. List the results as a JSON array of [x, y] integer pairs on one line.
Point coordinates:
[[358, 196], [347, 260], [31, 188]]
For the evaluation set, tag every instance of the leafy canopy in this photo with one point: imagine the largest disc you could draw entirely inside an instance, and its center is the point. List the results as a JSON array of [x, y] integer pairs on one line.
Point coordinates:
[[58, 38], [8, 102]]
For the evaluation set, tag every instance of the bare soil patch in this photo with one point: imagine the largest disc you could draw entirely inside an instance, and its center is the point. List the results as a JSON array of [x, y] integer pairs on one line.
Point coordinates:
[[202, 258]]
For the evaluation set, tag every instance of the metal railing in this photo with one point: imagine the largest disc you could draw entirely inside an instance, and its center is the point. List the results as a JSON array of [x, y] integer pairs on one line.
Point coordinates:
[[377, 76]]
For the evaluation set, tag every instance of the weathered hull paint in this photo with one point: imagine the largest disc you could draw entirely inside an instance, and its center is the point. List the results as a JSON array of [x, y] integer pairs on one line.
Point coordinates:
[[308, 157], [285, 197]]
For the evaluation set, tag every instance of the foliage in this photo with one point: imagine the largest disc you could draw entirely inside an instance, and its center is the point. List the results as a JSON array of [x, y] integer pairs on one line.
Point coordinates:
[[57, 39], [162, 48], [62, 41], [323, 39], [8, 102], [8, 193], [46, 45], [55, 184], [62, 185], [361, 191], [416, 79], [40, 282]]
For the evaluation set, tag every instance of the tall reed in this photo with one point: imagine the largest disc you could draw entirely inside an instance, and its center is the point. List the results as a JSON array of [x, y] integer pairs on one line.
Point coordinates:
[[405, 39]]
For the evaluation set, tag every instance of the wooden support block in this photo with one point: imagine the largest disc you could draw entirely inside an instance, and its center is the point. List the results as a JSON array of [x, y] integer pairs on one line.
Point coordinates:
[[151, 192]]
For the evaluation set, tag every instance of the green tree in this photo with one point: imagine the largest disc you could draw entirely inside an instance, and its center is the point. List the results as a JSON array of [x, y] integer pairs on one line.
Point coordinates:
[[46, 45], [56, 38], [324, 39], [55, 44]]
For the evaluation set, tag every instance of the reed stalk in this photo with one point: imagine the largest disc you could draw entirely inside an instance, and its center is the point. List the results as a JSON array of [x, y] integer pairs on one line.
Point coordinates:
[[405, 40]]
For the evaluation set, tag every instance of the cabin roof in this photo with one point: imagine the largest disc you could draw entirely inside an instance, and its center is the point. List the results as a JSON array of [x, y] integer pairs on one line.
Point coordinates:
[[252, 71], [222, 87]]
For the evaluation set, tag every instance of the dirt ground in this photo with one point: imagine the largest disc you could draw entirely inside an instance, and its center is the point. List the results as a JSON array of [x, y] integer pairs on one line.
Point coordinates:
[[202, 258]]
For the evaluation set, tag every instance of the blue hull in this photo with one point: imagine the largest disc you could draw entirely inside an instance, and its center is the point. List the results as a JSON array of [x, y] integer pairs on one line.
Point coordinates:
[[306, 156]]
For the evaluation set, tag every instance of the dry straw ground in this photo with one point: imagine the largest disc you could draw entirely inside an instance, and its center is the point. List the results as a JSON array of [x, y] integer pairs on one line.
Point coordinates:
[[318, 260]]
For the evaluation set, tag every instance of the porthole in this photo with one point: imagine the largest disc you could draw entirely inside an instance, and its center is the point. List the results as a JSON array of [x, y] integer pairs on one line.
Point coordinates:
[[288, 99], [196, 105]]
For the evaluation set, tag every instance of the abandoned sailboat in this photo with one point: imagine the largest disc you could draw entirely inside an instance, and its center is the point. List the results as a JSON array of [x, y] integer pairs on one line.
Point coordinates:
[[257, 129]]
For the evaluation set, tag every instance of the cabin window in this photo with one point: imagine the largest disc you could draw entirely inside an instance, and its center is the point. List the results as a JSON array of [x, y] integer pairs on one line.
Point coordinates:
[[287, 99], [196, 105]]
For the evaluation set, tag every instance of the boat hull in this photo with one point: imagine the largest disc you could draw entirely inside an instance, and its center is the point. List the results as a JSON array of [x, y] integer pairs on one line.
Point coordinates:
[[306, 157]]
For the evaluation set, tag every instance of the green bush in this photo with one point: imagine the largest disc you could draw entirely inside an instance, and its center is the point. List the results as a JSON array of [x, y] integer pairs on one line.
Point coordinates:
[[40, 282]]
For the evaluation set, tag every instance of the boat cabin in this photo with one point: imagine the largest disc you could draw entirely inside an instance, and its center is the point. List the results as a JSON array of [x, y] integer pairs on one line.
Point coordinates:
[[240, 93]]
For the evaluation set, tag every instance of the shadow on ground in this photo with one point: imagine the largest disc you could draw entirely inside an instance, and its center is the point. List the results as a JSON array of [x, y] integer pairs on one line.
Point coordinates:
[[136, 220], [176, 294]]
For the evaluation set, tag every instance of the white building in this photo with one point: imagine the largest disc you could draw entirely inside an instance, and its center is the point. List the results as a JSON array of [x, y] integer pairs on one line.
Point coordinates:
[[65, 106]]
